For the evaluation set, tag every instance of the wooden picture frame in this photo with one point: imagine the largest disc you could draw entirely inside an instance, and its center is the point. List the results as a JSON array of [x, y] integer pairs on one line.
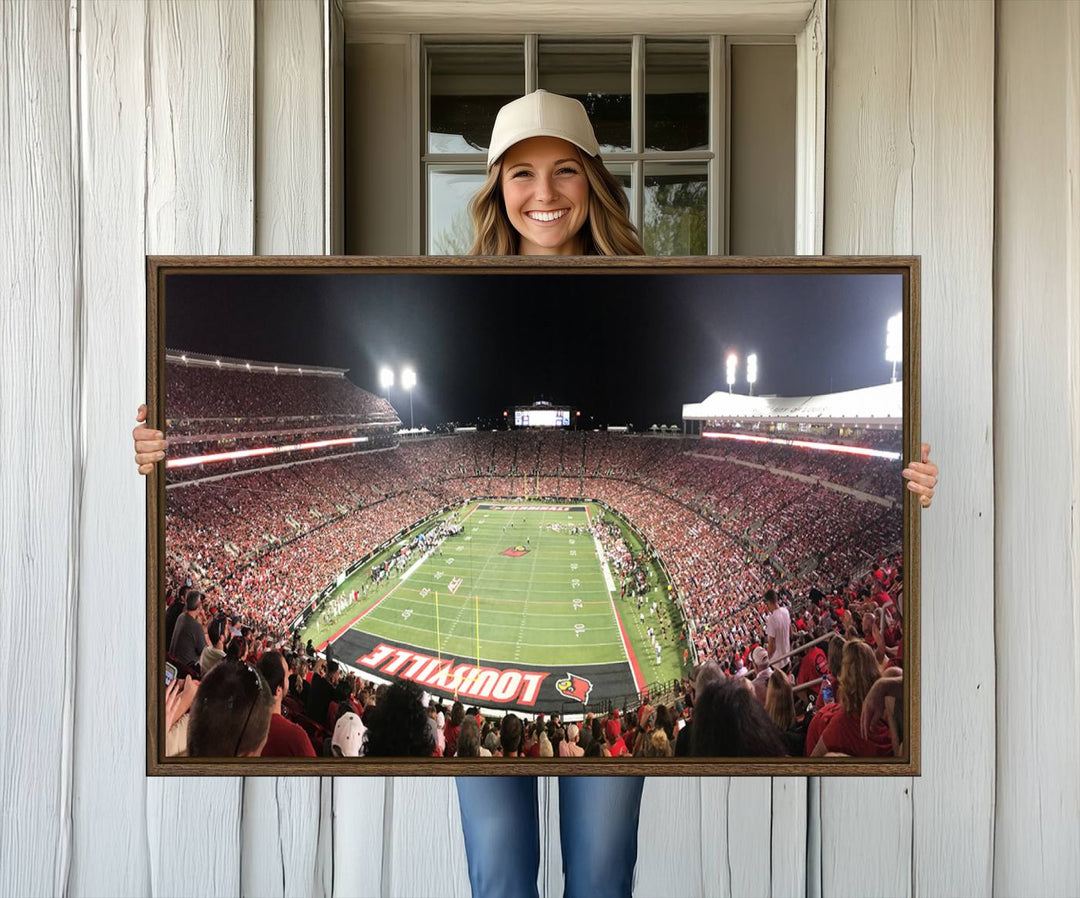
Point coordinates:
[[163, 276]]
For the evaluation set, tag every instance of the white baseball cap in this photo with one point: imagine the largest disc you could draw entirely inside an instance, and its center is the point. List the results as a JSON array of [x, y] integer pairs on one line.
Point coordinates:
[[349, 735], [541, 114]]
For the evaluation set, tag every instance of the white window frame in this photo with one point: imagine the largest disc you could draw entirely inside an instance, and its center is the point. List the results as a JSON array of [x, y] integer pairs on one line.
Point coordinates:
[[810, 125]]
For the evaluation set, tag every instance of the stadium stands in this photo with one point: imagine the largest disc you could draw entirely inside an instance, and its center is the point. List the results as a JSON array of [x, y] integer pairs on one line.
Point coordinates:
[[262, 536]]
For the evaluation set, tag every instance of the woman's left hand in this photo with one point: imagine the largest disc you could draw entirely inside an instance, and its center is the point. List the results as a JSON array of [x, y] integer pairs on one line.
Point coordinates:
[[922, 477]]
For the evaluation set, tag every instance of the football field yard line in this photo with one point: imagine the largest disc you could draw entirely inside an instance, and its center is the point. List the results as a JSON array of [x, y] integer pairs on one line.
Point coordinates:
[[531, 605]]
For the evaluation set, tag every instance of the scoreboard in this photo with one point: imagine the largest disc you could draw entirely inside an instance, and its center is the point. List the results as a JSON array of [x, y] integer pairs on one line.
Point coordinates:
[[541, 417]]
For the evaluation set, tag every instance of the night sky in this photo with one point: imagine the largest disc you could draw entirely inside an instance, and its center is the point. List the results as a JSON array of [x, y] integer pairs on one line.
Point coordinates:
[[625, 349]]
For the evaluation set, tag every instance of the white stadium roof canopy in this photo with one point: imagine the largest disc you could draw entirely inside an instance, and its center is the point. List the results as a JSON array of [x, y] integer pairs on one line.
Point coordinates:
[[883, 405]]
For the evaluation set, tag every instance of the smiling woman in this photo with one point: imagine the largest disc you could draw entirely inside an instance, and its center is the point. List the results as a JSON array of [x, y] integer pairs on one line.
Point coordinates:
[[547, 191], [546, 195]]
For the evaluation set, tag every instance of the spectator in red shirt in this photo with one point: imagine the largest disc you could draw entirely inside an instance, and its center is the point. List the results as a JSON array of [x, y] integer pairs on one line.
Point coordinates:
[[286, 739], [452, 728], [842, 733], [616, 745], [814, 666]]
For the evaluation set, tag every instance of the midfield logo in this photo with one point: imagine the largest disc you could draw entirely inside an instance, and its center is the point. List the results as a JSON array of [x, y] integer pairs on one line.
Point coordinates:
[[516, 551]]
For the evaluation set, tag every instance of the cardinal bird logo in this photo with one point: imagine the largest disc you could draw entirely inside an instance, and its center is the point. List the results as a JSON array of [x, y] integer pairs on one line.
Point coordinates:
[[574, 687], [516, 551]]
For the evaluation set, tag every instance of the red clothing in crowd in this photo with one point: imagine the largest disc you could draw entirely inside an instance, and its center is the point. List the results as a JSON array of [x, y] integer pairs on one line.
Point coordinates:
[[843, 734], [814, 664], [619, 748], [451, 733], [840, 732], [287, 740]]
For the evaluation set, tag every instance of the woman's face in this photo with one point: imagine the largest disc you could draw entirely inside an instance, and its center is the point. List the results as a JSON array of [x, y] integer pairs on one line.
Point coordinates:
[[546, 195]]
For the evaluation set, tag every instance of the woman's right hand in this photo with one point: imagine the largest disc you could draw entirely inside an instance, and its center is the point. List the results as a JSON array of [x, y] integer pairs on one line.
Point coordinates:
[[150, 444]]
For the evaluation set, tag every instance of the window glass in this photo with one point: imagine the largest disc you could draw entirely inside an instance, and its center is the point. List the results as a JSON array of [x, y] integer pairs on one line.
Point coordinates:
[[597, 74], [467, 84], [676, 95], [450, 231], [676, 209]]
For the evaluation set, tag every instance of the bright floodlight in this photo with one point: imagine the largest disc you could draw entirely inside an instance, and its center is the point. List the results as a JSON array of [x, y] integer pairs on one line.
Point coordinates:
[[386, 378], [894, 341], [894, 338], [408, 378], [732, 364], [751, 371]]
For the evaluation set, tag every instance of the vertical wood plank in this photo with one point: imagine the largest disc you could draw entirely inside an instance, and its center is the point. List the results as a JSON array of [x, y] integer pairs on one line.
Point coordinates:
[[666, 834], [1037, 445], [869, 157], [910, 158], [289, 128], [788, 837], [281, 829], [736, 815], [358, 836], [953, 229], [40, 434], [423, 845], [111, 859], [199, 200]]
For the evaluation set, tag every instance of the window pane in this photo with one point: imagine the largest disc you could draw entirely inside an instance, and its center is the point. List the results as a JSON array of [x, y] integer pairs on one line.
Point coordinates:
[[450, 231], [676, 95], [676, 209], [467, 84], [597, 74]]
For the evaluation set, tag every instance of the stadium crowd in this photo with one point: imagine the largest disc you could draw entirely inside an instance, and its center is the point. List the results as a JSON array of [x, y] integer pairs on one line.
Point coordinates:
[[839, 692], [270, 540]]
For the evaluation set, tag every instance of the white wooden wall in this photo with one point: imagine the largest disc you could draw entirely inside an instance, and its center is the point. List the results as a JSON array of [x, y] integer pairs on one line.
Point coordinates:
[[200, 127]]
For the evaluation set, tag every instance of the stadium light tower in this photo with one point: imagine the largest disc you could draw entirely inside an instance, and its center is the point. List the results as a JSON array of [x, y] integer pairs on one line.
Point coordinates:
[[386, 380], [751, 371], [408, 381], [894, 341], [732, 364]]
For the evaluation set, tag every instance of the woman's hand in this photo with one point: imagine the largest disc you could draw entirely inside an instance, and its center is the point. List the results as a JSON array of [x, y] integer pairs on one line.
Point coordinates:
[[922, 477], [149, 444]]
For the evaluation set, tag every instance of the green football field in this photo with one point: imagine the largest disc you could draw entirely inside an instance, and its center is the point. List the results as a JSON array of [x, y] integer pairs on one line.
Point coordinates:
[[516, 587]]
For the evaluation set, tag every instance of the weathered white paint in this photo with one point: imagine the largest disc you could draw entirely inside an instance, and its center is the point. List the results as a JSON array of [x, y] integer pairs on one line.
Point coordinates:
[[280, 828], [110, 854], [290, 112], [200, 187], [1037, 449], [909, 153], [868, 158], [160, 156], [40, 447]]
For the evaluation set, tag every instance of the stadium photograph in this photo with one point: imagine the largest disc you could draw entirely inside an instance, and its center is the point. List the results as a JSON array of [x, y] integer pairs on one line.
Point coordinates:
[[556, 513]]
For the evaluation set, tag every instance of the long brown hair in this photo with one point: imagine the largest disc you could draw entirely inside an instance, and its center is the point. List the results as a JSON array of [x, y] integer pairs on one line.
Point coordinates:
[[779, 700], [858, 673], [607, 231]]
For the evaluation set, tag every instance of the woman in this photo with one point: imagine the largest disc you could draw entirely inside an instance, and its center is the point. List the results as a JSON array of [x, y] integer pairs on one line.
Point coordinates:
[[453, 727], [837, 729], [547, 193], [780, 706], [468, 744], [729, 722]]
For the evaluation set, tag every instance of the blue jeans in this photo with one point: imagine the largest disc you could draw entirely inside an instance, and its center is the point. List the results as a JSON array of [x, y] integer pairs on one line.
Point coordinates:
[[598, 821]]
